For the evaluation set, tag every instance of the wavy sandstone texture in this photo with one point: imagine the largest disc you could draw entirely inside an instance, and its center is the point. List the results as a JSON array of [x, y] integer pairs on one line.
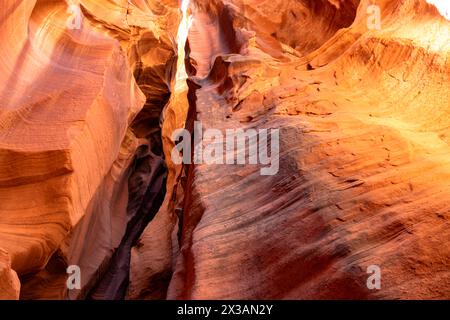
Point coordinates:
[[86, 176]]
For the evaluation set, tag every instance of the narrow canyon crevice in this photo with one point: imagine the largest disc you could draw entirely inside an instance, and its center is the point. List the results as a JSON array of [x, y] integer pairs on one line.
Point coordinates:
[[148, 175], [88, 177], [144, 180]]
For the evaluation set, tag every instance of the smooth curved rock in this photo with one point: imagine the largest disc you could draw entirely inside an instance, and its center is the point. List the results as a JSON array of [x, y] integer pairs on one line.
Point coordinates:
[[9, 281], [70, 130], [364, 166], [89, 102]]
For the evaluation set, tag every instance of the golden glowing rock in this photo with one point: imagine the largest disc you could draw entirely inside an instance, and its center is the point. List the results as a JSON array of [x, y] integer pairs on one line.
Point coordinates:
[[91, 92]]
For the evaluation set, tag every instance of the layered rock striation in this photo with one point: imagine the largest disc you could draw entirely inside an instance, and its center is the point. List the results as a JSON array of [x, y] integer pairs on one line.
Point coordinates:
[[91, 95]]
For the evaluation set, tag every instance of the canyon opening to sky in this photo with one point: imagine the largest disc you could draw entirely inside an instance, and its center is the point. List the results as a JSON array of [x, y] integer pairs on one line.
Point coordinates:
[[107, 193]]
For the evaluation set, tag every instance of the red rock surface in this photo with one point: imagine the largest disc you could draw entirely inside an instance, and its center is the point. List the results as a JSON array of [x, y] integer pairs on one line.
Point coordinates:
[[9, 282], [86, 123]]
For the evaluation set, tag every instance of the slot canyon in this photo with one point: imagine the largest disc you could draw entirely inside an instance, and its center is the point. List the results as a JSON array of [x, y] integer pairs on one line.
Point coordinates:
[[92, 92]]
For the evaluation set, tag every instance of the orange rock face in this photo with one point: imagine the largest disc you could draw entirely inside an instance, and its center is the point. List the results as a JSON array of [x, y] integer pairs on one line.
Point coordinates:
[[9, 282], [90, 100]]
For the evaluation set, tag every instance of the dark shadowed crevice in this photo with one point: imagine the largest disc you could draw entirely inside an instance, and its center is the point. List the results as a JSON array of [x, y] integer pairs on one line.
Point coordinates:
[[147, 188], [147, 182]]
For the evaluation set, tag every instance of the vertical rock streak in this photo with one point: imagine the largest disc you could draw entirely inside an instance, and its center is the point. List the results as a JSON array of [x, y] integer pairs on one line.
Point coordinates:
[[183, 32]]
